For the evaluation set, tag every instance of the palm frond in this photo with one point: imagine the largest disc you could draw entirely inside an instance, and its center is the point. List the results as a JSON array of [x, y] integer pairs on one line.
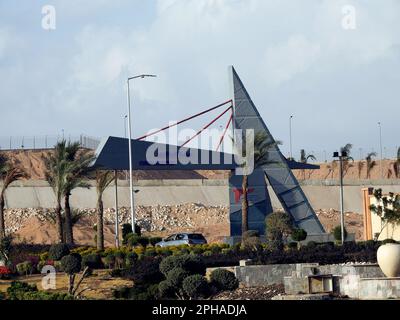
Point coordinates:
[[103, 180]]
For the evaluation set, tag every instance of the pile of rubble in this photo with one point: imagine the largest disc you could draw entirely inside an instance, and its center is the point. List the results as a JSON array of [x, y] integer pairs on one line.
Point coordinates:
[[149, 218], [252, 293]]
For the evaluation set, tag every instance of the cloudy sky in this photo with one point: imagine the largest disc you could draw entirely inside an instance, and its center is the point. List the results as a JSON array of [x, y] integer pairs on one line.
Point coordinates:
[[295, 58]]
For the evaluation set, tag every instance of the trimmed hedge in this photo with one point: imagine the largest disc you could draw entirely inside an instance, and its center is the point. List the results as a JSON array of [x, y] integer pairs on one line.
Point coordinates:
[[224, 280], [57, 251], [196, 286]]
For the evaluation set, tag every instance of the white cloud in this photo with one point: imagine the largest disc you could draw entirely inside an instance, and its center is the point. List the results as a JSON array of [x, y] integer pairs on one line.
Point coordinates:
[[286, 60]]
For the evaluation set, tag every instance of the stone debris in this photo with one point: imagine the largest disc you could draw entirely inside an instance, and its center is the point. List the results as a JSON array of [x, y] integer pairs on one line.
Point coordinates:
[[149, 218], [252, 293]]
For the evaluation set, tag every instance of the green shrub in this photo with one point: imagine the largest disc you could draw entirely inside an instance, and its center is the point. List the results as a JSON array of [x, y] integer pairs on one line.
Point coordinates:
[[57, 265], [224, 280], [57, 251], [386, 241], [143, 241], [155, 240], [24, 268], [195, 286], [166, 290], [190, 263], [134, 240], [119, 259], [5, 247], [130, 259], [127, 230], [251, 234], [251, 240], [109, 261], [43, 295], [145, 271], [24, 291], [337, 233], [176, 277], [292, 245], [71, 263], [184, 250], [207, 253], [299, 235], [197, 250], [93, 261], [215, 249], [150, 253], [311, 244], [44, 256], [278, 225], [17, 289]]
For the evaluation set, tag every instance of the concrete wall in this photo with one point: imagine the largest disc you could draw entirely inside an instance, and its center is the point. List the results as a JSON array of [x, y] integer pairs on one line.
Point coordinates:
[[35, 194], [38, 194], [262, 275]]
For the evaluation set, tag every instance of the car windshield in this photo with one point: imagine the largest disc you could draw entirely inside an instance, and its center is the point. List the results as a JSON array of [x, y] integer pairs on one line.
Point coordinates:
[[195, 236], [170, 238]]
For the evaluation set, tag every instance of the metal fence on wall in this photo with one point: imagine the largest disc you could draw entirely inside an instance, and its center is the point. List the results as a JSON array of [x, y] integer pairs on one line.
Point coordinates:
[[45, 142]]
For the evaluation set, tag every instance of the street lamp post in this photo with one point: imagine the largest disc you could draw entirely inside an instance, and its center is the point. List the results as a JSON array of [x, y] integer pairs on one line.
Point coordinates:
[[290, 137], [125, 117], [131, 191], [380, 146], [341, 157]]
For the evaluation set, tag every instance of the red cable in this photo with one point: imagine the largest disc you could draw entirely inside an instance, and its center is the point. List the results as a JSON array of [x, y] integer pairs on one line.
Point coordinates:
[[226, 129], [206, 126], [184, 120]]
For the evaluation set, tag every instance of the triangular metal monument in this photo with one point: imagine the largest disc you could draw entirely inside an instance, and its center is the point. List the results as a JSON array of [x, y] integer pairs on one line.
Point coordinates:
[[277, 173]]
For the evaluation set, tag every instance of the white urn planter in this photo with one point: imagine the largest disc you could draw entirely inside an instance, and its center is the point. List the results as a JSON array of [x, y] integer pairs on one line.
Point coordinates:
[[389, 259]]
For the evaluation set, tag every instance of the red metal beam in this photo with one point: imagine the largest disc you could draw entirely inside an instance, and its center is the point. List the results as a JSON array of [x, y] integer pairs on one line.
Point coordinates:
[[187, 119], [209, 124], [226, 129]]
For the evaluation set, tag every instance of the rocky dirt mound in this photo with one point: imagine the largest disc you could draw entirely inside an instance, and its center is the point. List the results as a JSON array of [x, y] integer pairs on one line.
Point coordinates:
[[353, 221], [32, 162], [353, 171], [37, 225], [253, 293]]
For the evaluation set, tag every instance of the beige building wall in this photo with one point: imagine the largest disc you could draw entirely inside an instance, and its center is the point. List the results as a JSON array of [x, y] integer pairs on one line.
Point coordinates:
[[374, 225]]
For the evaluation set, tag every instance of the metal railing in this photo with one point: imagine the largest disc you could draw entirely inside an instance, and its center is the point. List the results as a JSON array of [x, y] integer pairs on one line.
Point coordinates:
[[38, 142]]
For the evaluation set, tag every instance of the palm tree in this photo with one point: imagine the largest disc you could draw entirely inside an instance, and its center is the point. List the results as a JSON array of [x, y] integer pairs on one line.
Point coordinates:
[[360, 165], [346, 161], [370, 163], [9, 172], [331, 167], [78, 165], [65, 168], [103, 180], [304, 157], [261, 158], [56, 171]]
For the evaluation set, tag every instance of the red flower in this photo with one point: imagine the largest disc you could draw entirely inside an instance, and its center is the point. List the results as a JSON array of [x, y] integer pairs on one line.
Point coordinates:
[[5, 270]]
